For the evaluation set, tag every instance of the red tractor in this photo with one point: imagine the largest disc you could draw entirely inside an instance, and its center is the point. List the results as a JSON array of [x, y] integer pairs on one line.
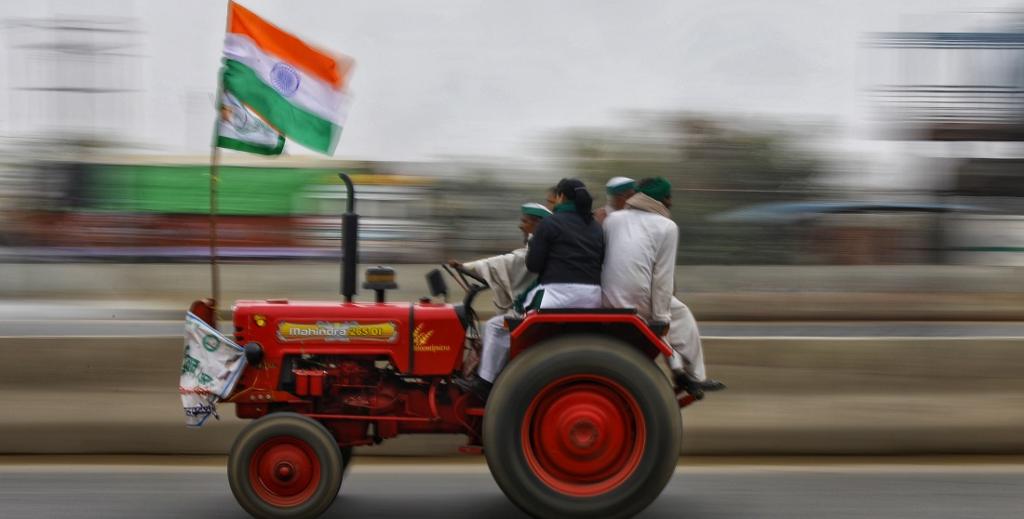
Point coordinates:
[[581, 423]]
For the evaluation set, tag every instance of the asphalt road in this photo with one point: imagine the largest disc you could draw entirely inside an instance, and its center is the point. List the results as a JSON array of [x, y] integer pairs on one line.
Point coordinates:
[[59, 327], [459, 490]]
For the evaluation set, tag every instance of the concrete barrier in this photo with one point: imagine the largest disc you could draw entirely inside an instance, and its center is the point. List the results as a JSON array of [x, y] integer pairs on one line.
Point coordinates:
[[714, 293], [786, 396]]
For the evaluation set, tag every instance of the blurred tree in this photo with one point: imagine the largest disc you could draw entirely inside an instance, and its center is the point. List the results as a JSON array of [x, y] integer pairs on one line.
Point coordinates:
[[714, 165]]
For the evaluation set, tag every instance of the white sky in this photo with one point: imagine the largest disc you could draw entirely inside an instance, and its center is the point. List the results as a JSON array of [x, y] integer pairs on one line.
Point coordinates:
[[493, 78]]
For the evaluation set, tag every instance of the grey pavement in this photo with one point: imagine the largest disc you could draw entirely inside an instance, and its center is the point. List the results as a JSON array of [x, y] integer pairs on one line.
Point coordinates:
[[164, 318], [163, 291], [466, 490]]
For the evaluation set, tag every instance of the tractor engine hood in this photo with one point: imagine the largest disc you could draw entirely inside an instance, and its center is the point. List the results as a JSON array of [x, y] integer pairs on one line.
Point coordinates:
[[418, 339]]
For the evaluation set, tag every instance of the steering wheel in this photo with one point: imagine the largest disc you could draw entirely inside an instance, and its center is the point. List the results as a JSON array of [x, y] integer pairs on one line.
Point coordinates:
[[463, 273]]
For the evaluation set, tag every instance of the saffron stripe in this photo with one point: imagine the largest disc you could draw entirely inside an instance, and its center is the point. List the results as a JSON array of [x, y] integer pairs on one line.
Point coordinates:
[[331, 69]]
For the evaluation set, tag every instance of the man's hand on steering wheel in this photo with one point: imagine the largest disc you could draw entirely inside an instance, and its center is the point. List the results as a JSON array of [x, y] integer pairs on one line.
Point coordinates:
[[464, 273]]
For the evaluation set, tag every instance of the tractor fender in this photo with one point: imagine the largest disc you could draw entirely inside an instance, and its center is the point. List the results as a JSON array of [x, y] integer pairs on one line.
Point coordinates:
[[628, 327]]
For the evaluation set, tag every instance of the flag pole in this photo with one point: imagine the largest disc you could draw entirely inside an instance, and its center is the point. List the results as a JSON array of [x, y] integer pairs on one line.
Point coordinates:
[[214, 180]]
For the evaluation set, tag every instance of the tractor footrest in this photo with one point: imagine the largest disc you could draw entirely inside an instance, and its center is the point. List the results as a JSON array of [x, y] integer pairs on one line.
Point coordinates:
[[685, 399], [473, 450]]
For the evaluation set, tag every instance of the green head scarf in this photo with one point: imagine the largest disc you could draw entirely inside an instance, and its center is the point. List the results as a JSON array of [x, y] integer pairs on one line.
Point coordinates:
[[657, 188]]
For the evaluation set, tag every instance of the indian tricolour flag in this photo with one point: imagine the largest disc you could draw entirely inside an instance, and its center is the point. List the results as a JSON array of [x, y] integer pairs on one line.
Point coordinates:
[[241, 129], [298, 90]]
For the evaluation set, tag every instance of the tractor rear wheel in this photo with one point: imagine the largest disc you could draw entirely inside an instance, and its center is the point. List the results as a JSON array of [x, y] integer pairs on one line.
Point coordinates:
[[346, 461], [285, 465], [582, 426]]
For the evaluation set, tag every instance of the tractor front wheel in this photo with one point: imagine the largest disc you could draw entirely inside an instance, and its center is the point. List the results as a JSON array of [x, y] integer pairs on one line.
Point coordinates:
[[285, 465], [582, 426]]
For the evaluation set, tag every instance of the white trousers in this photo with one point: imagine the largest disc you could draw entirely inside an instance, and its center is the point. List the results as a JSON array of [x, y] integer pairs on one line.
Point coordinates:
[[570, 295], [496, 340], [496, 343], [684, 337]]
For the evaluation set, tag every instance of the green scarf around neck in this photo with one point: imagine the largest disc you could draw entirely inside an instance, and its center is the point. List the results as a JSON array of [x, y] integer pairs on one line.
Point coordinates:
[[566, 207]]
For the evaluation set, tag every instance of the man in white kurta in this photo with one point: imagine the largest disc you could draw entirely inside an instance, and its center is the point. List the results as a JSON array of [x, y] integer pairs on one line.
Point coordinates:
[[508, 278], [639, 272]]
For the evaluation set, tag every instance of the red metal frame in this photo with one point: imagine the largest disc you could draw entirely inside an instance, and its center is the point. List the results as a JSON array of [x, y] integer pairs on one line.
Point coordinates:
[[539, 318], [373, 418]]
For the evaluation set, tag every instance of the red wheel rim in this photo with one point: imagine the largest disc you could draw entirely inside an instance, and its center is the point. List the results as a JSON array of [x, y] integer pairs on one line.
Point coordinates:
[[284, 471], [583, 435]]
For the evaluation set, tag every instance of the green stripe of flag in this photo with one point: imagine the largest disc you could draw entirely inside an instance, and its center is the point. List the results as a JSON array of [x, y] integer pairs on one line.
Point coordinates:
[[295, 123], [248, 147]]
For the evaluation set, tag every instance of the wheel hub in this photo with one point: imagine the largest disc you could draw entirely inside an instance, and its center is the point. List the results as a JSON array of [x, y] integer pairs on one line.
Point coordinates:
[[284, 471], [583, 435]]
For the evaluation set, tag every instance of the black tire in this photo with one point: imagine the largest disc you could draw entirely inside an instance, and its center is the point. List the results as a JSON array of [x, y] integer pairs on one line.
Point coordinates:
[[294, 443], [555, 373], [346, 460]]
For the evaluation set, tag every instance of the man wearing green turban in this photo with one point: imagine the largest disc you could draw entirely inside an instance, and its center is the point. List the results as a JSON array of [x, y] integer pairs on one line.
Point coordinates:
[[639, 272], [657, 188]]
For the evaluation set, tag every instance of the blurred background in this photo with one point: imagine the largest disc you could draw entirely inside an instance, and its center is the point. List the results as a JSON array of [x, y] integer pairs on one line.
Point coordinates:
[[848, 184], [880, 133]]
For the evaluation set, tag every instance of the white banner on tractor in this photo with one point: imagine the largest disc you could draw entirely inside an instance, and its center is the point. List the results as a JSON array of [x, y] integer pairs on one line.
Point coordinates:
[[212, 364]]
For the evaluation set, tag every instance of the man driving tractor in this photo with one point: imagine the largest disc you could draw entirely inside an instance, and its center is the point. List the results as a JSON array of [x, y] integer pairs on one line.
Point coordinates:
[[509, 279]]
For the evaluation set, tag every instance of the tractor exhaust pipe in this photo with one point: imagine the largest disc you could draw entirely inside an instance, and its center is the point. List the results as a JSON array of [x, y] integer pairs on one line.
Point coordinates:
[[349, 242]]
